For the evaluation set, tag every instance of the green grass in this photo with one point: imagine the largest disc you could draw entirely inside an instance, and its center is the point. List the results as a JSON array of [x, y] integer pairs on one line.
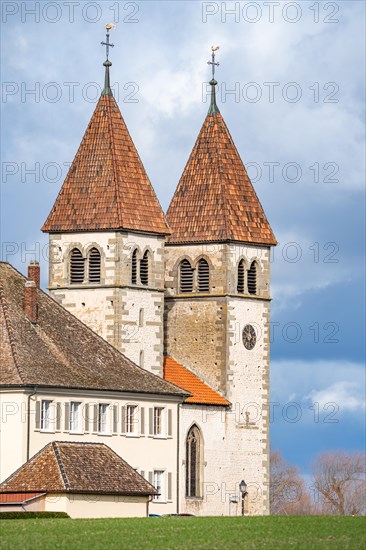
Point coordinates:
[[185, 532]]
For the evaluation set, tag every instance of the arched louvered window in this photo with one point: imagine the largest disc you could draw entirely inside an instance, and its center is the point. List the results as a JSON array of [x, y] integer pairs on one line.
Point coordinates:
[[76, 267], [241, 275], [94, 266], [193, 461], [134, 267], [252, 278], [186, 276], [203, 276], [144, 269]]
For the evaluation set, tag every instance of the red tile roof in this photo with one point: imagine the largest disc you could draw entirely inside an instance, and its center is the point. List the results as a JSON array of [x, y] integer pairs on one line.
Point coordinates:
[[201, 393], [17, 498], [79, 468], [215, 199], [106, 187]]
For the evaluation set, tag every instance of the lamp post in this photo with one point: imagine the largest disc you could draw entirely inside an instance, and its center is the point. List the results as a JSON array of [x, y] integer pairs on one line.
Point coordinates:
[[243, 490]]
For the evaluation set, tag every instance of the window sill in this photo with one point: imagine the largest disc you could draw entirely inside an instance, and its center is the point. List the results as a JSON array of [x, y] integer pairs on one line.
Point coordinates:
[[44, 431], [104, 434], [76, 432], [194, 498], [131, 434]]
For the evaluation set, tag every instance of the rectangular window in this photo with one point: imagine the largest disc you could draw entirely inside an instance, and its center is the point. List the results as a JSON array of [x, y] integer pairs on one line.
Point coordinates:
[[102, 418], [75, 416], [159, 485], [158, 420], [131, 419], [46, 414]]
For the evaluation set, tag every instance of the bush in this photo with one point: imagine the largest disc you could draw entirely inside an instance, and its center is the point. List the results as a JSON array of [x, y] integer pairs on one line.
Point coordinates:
[[32, 515]]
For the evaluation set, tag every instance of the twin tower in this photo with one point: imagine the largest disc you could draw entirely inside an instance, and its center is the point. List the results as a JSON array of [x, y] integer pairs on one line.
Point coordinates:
[[194, 284]]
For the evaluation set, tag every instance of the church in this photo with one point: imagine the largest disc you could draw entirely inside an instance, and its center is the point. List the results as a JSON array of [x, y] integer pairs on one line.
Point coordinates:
[[154, 338]]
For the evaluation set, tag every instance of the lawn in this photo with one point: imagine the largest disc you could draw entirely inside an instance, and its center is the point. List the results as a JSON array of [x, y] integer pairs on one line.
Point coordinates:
[[185, 532]]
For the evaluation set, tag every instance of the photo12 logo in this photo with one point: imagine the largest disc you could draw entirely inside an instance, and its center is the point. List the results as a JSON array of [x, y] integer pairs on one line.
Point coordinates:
[[54, 12], [270, 12]]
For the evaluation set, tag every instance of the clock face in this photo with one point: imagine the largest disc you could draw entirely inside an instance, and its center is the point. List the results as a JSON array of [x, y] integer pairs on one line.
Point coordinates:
[[249, 337]]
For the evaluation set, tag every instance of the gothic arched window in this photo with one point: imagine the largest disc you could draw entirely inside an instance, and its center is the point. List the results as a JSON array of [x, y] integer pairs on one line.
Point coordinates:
[[144, 269], [186, 276], [77, 267], [94, 266], [134, 267], [203, 276], [241, 275], [252, 278], [193, 461]]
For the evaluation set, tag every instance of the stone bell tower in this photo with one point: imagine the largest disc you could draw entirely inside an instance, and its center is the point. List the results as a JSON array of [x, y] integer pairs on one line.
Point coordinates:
[[107, 233], [217, 305]]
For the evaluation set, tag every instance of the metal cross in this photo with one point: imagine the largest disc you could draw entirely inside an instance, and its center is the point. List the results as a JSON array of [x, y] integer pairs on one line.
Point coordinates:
[[107, 44], [212, 62]]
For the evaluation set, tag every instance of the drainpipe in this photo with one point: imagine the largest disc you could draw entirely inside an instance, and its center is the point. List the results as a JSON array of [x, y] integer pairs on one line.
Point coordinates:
[[28, 420], [178, 457]]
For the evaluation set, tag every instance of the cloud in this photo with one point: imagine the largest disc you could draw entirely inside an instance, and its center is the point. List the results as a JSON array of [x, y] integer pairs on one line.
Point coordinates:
[[349, 396], [304, 381]]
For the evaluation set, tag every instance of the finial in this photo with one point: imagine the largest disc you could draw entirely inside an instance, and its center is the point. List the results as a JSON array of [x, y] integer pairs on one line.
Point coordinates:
[[107, 85], [213, 107]]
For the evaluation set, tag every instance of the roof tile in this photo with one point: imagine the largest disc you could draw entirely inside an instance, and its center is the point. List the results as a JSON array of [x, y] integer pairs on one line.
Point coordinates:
[[106, 187], [201, 392], [77, 467], [72, 356], [215, 199]]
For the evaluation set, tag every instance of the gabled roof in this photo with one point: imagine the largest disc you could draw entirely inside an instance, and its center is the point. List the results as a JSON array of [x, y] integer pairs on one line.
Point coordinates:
[[215, 199], [106, 187], [202, 393], [78, 468], [60, 351]]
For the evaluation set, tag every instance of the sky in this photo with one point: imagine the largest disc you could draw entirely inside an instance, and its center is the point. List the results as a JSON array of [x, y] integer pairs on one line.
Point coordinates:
[[291, 88]]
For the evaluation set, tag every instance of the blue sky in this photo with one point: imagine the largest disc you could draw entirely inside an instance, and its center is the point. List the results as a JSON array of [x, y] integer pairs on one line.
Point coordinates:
[[296, 72]]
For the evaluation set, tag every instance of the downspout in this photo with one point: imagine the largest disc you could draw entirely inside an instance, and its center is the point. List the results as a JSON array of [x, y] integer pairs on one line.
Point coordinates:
[[178, 458], [28, 420]]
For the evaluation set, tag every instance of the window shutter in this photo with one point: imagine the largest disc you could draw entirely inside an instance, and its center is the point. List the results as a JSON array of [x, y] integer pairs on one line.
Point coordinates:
[[95, 419], [67, 417], [169, 486], [94, 266], [86, 417], [123, 414], [151, 421], [38, 415], [115, 419], [142, 473], [252, 278], [203, 276], [170, 423], [186, 276], [142, 421], [151, 478], [58, 417], [76, 267]]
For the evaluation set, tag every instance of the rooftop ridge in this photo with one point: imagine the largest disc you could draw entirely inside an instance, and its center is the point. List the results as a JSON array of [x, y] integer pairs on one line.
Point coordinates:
[[60, 465]]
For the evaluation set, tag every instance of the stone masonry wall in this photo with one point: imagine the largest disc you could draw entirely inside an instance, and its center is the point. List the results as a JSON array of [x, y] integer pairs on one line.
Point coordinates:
[[129, 316]]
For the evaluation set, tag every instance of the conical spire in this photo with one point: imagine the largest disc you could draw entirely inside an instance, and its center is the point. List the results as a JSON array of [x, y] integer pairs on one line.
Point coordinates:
[[215, 200], [107, 187]]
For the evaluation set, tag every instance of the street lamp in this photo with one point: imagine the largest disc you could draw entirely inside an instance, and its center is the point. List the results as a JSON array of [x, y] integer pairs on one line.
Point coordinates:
[[243, 490]]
